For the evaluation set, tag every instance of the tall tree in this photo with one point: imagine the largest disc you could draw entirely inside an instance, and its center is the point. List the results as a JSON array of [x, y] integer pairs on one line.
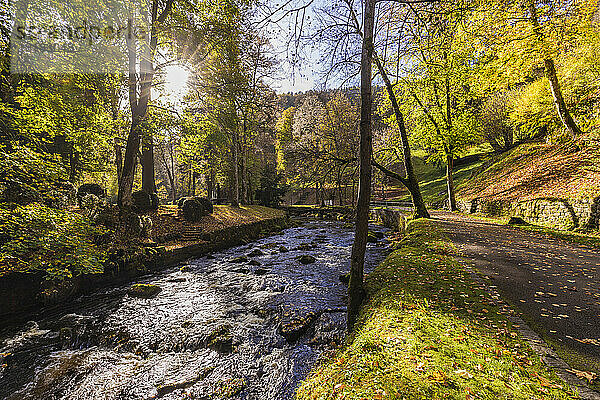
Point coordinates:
[[357, 259], [140, 85]]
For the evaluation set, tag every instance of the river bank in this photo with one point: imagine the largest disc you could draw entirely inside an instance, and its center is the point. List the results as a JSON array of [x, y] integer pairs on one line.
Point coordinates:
[[172, 240], [429, 330]]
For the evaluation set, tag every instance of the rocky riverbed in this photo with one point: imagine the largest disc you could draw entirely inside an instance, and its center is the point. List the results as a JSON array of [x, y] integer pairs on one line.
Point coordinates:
[[245, 323]]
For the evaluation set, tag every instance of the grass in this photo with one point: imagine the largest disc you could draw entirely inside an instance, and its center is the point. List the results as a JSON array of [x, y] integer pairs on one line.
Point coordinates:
[[428, 331], [432, 180]]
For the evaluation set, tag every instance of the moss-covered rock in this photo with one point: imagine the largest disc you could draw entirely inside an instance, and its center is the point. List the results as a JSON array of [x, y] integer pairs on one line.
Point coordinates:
[[239, 260], [306, 259], [221, 339], [292, 329], [144, 290], [256, 253], [192, 210]]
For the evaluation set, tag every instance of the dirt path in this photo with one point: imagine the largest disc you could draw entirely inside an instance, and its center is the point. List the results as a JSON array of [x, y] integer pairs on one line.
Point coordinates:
[[553, 283]]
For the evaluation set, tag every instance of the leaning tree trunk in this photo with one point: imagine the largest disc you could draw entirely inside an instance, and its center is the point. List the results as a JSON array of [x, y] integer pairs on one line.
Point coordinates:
[[550, 71], [559, 101], [410, 182], [357, 259], [450, 181]]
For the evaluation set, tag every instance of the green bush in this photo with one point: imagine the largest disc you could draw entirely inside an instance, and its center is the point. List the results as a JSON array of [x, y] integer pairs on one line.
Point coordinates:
[[56, 243]]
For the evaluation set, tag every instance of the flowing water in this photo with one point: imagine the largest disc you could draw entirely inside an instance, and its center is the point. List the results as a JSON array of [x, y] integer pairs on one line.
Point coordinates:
[[214, 331]]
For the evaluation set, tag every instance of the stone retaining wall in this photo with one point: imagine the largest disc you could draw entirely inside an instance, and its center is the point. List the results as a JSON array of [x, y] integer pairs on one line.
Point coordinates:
[[553, 213], [390, 218]]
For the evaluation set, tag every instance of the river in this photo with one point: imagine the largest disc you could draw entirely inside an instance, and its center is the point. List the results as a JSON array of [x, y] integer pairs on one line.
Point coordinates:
[[214, 330]]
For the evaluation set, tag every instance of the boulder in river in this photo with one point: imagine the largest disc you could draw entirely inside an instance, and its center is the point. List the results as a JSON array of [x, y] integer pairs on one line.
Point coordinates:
[[283, 249], [292, 330], [304, 247], [254, 263], [256, 253], [261, 271], [144, 290], [306, 259], [221, 339], [239, 260]]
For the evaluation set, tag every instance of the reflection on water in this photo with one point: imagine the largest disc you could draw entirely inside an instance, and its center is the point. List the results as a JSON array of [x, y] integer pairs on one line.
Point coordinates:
[[218, 330]]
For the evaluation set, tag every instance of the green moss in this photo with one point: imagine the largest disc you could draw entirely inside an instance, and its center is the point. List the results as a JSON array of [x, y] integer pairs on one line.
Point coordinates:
[[144, 290], [230, 388], [428, 331]]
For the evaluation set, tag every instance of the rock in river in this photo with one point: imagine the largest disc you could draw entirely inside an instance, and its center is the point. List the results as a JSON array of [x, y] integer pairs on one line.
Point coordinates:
[[238, 260], [306, 259], [143, 290], [256, 253], [292, 330]]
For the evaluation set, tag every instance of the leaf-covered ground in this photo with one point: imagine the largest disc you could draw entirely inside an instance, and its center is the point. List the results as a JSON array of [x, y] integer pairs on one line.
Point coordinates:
[[532, 171], [428, 331]]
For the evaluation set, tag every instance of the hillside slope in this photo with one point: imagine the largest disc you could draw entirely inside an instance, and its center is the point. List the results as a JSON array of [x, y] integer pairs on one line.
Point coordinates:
[[533, 170]]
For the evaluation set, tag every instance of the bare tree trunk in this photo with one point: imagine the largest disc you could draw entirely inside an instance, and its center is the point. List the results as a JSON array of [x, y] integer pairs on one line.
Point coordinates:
[[356, 292], [450, 181], [550, 71]]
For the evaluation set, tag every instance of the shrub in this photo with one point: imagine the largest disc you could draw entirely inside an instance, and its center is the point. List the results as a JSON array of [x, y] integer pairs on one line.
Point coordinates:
[[56, 243], [90, 188], [141, 201], [192, 210]]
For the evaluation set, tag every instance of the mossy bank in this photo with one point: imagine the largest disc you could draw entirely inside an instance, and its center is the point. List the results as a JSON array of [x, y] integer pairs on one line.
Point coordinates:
[[428, 331]]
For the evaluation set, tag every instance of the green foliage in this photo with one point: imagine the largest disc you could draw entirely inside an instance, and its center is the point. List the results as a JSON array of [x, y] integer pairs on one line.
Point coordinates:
[[271, 190], [33, 170], [284, 137], [57, 244]]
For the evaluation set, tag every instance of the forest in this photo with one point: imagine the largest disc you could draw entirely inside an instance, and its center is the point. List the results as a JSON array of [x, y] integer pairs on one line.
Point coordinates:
[[134, 133]]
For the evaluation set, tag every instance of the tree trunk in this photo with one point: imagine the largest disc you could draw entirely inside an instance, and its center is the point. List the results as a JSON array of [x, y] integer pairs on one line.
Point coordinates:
[[236, 179], [357, 259], [550, 71], [148, 176], [450, 181], [139, 106], [129, 163], [411, 182], [559, 101]]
